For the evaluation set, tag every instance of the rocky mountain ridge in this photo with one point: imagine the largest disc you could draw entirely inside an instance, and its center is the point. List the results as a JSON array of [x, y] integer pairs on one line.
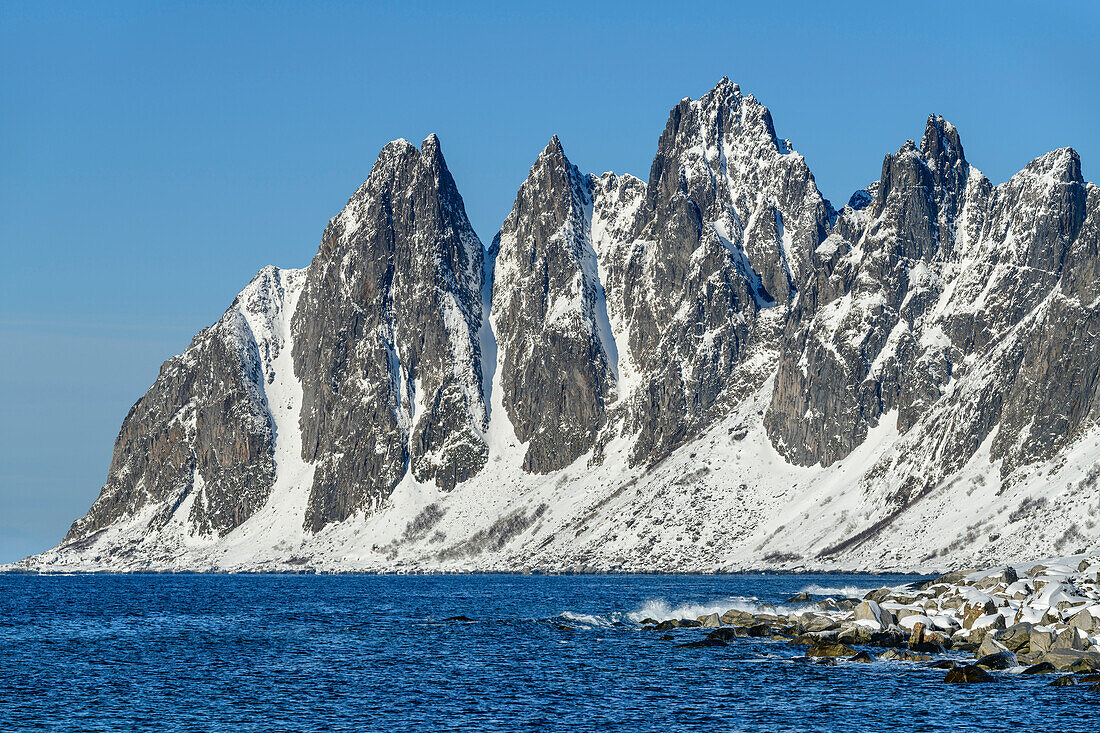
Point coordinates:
[[710, 370]]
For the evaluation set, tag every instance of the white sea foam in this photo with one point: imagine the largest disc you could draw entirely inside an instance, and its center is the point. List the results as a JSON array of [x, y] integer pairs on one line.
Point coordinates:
[[586, 619], [661, 610], [845, 591]]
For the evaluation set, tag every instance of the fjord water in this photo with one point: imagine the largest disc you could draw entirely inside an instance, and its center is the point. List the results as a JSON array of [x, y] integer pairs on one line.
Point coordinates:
[[365, 653]]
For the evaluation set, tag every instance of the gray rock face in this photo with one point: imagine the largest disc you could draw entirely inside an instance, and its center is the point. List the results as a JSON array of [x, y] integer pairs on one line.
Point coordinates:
[[386, 339], [730, 218], [203, 432], [855, 326], [557, 352], [962, 306]]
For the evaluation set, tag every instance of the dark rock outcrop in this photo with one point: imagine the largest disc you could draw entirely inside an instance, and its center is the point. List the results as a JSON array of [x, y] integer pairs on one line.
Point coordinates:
[[386, 339], [557, 352]]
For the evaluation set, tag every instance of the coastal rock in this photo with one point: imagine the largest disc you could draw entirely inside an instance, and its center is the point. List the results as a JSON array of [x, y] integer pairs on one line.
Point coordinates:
[[1069, 638], [869, 610], [999, 660], [830, 649], [904, 655], [1072, 660], [968, 674], [710, 621], [1040, 668]]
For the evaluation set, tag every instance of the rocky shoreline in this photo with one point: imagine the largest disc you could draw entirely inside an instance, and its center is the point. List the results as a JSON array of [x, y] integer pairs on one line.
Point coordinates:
[[980, 626]]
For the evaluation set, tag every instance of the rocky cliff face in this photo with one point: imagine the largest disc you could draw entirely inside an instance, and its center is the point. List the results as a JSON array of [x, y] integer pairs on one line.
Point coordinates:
[[711, 369], [947, 300], [727, 224], [203, 432], [557, 352], [386, 339]]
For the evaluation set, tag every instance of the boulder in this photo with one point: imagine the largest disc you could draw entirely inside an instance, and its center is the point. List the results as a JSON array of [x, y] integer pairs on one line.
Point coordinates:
[[855, 635], [1072, 660], [707, 642], [1016, 638], [991, 646], [1040, 668], [1084, 621], [830, 649], [733, 616], [811, 623], [669, 624], [904, 612], [1085, 664], [944, 664], [999, 660], [952, 578], [974, 611], [871, 611], [922, 640], [650, 622], [1066, 681], [1040, 641], [878, 595], [759, 630], [968, 674], [904, 655], [800, 598], [862, 657], [727, 633], [1069, 639], [710, 621], [891, 638], [687, 623]]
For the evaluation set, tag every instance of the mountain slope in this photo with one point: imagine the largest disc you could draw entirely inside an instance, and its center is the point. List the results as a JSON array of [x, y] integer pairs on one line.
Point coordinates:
[[709, 370]]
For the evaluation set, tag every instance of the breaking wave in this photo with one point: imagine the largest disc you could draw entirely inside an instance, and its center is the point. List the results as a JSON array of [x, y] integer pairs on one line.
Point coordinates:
[[585, 619], [661, 610], [844, 591]]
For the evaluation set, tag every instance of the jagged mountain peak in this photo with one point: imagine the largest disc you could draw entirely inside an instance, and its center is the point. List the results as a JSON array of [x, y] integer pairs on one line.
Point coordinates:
[[554, 147], [1062, 165], [554, 187], [400, 154], [941, 141], [556, 368]]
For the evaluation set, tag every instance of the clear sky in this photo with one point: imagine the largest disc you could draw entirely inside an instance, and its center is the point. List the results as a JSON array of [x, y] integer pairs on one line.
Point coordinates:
[[153, 156]]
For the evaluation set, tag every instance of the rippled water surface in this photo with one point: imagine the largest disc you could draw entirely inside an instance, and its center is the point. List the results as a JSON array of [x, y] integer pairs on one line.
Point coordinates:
[[365, 653]]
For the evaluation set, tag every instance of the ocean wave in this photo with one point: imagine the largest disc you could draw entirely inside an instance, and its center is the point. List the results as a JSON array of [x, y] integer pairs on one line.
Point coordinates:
[[585, 619], [661, 610], [845, 591]]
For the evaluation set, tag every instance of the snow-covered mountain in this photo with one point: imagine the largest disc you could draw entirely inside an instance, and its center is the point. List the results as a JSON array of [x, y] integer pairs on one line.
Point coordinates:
[[711, 370]]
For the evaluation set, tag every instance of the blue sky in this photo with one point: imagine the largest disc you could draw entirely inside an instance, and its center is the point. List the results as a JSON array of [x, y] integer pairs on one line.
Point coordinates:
[[154, 156]]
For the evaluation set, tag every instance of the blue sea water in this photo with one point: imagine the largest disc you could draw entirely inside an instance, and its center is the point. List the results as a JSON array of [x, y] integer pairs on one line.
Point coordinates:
[[373, 653]]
